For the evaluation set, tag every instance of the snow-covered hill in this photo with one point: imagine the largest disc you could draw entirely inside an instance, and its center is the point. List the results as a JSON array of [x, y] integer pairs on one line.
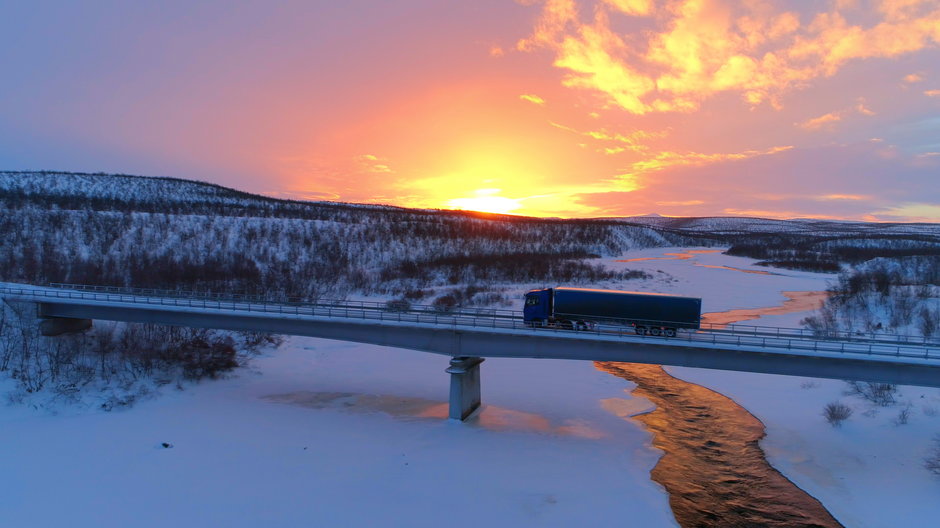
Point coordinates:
[[162, 232], [807, 226], [173, 233]]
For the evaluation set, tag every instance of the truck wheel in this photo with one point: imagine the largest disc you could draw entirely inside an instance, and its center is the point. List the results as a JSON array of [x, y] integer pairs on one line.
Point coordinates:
[[670, 332], [640, 330], [656, 331]]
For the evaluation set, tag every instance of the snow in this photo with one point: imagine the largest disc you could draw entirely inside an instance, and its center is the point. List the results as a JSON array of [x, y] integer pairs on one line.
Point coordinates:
[[869, 472], [746, 225], [543, 452], [331, 433], [720, 289]]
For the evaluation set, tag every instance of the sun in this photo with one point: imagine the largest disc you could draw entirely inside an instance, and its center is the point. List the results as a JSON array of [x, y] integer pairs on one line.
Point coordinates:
[[485, 201]]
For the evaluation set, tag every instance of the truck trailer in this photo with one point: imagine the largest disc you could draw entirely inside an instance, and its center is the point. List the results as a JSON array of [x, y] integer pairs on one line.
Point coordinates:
[[583, 309]]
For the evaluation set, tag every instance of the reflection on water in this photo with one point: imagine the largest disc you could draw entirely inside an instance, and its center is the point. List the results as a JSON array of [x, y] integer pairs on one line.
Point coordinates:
[[755, 272], [627, 408], [402, 407], [691, 253], [362, 403], [712, 466], [675, 256], [797, 301]]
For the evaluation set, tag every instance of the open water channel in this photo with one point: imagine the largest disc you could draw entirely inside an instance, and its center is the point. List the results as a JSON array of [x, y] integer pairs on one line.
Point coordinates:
[[712, 466]]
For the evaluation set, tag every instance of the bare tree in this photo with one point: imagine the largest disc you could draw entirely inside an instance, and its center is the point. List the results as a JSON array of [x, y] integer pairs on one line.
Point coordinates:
[[836, 413], [932, 460], [881, 394]]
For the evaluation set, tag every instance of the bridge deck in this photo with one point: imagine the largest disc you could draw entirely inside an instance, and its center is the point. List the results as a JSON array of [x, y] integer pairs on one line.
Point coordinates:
[[503, 334]]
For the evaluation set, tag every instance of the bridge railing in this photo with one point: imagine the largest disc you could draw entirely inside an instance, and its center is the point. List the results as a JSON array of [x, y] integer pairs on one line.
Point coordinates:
[[773, 331], [279, 299], [372, 311]]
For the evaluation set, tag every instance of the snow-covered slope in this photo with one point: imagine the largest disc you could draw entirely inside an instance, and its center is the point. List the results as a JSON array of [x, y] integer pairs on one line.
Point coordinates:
[[744, 225]]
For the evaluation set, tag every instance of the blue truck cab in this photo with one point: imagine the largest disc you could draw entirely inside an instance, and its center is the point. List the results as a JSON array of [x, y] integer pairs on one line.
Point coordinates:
[[538, 307]]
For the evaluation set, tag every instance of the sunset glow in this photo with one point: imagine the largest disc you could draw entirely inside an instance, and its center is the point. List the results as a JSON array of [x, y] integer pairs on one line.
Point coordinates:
[[570, 108], [487, 201]]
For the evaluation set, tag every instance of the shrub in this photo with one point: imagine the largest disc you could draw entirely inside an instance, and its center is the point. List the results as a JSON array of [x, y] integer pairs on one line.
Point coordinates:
[[836, 413], [904, 415], [398, 305], [881, 394], [445, 303], [932, 460], [417, 294], [928, 322]]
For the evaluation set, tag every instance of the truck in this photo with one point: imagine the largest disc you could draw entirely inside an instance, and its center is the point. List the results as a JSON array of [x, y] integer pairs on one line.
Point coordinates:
[[583, 309]]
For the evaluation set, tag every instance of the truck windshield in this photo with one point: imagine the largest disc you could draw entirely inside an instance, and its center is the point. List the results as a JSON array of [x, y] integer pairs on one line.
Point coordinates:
[[531, 300]]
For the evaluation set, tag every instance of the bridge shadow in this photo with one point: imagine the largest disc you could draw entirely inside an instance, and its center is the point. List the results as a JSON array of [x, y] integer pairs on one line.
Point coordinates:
[[488, 417]]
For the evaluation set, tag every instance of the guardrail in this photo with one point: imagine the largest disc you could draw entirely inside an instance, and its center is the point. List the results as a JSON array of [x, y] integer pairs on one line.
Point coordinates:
[[366, 310], [278, 298]]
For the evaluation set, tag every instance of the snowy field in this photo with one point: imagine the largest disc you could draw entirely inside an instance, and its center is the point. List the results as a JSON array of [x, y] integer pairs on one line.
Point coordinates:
[[324, 433]]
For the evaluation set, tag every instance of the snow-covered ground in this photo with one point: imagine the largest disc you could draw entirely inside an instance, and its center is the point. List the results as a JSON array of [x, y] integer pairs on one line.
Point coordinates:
[[325, 433], [328, 433]]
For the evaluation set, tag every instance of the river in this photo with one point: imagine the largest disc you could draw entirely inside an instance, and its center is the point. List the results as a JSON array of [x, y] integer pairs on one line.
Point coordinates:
[[712, 466]]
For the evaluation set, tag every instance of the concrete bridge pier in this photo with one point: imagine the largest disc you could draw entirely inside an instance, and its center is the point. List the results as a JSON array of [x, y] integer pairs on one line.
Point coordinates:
[[56, 326], [52, 326], [464, 386]]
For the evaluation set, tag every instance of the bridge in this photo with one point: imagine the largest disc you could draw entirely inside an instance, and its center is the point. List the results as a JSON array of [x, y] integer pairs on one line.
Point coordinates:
[[469, 336]]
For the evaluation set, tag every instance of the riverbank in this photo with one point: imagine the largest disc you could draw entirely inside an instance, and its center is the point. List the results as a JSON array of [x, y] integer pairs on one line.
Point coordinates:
[[869, 472]]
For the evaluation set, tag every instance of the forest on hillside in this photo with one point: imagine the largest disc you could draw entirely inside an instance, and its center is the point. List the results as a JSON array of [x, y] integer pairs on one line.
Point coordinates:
[[170, 233], [166, 233], [173, 234]]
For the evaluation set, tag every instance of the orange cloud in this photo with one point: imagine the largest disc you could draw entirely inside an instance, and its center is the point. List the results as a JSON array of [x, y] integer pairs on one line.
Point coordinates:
[[913, 78], [372, 163], [818, 122], [833, 117], [680, 203], [864, 110], [764, 213], [632, 7], [534, 99], [667, 159], [622, 142], [911, 212], [694, 49], [932, 93], [833, 197]]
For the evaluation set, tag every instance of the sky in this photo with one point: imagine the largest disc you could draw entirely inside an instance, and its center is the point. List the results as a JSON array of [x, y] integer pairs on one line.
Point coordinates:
[[559, 108]]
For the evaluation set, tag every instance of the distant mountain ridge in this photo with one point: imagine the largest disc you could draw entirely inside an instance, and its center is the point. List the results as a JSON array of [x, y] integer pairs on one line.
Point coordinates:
[[170, 232], [101, 190], [742, 224]]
